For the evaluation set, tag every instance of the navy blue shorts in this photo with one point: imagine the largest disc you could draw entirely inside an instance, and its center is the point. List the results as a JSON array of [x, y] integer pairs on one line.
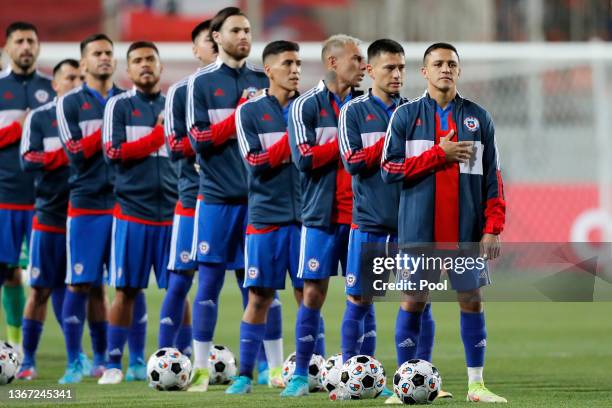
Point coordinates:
[[321, 250], [218, 235], [47, 264], [88, 239], [270, 255], [136, 250], [15, 228], [353, 280]]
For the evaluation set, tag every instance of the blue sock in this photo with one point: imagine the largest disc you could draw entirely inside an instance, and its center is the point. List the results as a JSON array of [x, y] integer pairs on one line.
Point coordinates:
[[57, 301], [306, 334], [251, 338], [368, 347], [73, 321], [320, 344], [138, 330], [352, 329], [172, 309], [407, 328], [243, 291], [274, 330], [183, 339], [426, 337], [474, 336], [97, 332], [205, 304], [32, 330], [117, 336]]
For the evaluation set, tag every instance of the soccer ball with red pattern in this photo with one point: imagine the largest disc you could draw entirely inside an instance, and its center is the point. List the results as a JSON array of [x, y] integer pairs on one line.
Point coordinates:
[[363, 377], [168, 370], [222, 364], [417, 382], [314, 371], [9, 363]]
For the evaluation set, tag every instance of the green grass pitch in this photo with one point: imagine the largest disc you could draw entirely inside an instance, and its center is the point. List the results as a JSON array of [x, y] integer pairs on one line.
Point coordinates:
[[538, 355]]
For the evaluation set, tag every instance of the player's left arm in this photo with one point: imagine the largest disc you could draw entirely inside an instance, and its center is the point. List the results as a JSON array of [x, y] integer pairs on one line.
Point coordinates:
[[495, 206], [32, 149]]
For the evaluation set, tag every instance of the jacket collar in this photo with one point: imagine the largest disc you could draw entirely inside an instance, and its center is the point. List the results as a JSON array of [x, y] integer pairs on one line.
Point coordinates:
[[458, 100]]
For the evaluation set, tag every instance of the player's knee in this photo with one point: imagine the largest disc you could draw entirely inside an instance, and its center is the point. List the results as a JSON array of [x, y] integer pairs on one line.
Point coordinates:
[[470, 301], [413, 305], [261, 298], [40, 296], [314, 296], [79, 288], [359, 300]]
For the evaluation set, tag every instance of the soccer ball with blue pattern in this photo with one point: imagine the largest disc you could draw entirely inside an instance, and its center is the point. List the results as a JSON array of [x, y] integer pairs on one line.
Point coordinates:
[[168, 370], [222, 364], [9, 363], [363, 377], [417, 382], [314, 371]]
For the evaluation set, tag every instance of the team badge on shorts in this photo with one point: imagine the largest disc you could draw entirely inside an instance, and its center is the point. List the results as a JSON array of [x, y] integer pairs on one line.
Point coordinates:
[[78, 268], [350, 280], [471, 123], [313, 264], [252, 272], [204, 247], [185, 257], [41, 95], [35, 273]]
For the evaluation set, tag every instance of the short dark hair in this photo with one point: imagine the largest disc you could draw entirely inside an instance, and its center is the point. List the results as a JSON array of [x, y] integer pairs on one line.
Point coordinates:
[[277, 47], [20, 26], [92, 38], [72, 62], [197, 30], [217, 22], [437, 46], [141, 44], [384, 45]]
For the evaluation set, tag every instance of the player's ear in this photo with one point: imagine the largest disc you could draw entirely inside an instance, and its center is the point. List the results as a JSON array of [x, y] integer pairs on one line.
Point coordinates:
[[194, 50], [216, 36], [267, 70], [424, 72], [370, 70]]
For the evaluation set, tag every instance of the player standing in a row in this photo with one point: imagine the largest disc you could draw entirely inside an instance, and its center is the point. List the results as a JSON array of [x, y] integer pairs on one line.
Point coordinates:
[[441, 148], [145, 189], [79, 116], [42, 154], [22, 88], [327, 198], [181, 267], [363, 124], [213, 94], [273, 233]]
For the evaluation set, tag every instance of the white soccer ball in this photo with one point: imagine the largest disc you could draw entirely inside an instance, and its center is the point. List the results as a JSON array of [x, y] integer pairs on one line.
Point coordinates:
[[168, 370], [222, 364], [363, 377], [417, 382], [314, 371], [10, 361], [330, 375]]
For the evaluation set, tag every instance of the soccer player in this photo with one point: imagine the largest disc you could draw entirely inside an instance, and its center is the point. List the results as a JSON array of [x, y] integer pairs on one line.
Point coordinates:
[[441, 148], [363, 124], [273, 233], [212, 96], [182, 268], [22, 88], [42, 153], [145, 188], [79, 116], [327, 197]]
